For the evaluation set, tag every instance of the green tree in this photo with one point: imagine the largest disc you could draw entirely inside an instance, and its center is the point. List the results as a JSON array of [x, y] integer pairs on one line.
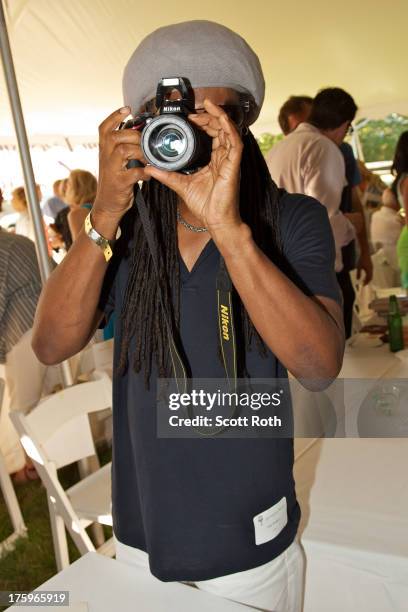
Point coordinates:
[[266, 141], [379, 137]]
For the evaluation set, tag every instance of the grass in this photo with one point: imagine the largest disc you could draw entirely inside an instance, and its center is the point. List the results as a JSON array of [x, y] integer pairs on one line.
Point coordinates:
[[32, 561]]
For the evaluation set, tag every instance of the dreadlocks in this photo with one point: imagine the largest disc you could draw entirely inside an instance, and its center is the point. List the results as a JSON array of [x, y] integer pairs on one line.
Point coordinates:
[[142, 318]]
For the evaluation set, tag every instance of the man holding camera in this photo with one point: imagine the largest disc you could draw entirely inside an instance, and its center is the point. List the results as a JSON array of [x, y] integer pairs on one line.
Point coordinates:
[[198, 510]]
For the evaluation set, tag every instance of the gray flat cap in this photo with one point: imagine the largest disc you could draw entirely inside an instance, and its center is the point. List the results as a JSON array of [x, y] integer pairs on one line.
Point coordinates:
[[207, 53]]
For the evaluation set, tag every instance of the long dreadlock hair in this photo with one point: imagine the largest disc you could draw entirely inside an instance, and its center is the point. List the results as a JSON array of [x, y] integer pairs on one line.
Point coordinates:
[[143, 315]]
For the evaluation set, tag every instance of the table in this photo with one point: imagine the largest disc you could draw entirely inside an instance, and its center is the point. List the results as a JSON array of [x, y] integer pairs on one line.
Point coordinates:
[[340, 411], [354, 528], [354, 499], [106, 585], [371, 362]]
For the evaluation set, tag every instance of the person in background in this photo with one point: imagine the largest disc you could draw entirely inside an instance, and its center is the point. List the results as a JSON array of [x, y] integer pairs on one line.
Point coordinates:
[[3, 212], [3, 208], [53, 205], [386, 227], [79, 196], [20, 287], [24, 225], [294, 111], [309, 161], [371, 189], [351, 203], [400, 190]]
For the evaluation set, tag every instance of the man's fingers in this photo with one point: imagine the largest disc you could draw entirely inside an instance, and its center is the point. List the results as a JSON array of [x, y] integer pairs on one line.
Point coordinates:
[[113, 121], [133, 175], [205, 125], [217, 119], [125, 136], [173, 180], [205, 120], [115, 138], [123, 153], [213, 109]]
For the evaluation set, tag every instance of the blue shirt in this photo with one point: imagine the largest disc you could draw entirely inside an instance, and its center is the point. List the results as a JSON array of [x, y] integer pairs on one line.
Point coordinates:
[[52, 207], [190, 503]]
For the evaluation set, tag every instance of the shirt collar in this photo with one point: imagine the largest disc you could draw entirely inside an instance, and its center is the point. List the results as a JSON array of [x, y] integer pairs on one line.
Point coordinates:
[[307, 127]]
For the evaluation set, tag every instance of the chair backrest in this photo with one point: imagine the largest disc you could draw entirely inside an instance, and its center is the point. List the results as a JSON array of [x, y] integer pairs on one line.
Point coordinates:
[[364, 296], [57, 430], [384, 274], [96, 356]]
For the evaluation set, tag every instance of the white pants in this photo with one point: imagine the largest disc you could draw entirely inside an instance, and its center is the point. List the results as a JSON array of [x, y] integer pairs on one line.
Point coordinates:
[[276, 586], [24, 376]]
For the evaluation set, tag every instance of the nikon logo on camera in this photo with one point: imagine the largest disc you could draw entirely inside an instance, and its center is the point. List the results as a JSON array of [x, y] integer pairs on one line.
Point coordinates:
[[224, 311], [172, 109]]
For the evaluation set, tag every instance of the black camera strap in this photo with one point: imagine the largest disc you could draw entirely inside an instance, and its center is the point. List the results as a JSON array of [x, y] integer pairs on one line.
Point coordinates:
[[226, 324], [177, 362], [224, 310]]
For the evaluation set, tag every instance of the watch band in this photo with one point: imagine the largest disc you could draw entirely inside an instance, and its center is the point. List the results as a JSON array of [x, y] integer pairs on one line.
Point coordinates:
[[104, 244]]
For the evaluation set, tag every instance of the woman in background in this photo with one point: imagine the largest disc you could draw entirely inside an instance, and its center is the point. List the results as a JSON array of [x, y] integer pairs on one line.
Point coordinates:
[[400, 190], [79, 196], [24, 225]]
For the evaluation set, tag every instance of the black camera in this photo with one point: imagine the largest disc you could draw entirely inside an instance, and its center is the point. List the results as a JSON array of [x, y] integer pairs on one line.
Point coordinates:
[[169, 141]]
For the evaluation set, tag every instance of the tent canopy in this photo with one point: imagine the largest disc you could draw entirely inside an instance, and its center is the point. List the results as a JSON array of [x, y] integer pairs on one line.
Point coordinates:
[[69, 56]]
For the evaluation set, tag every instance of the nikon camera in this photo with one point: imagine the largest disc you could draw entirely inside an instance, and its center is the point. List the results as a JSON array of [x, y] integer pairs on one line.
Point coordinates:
[[169, 141]]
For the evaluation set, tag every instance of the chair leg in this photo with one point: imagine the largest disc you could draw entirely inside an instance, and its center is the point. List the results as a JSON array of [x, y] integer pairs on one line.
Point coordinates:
[[88, 466], [10, 497], [59, 537], [98, 537]]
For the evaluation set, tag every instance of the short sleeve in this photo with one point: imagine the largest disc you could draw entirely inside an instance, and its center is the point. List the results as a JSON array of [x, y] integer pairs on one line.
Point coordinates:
[[308, 246]]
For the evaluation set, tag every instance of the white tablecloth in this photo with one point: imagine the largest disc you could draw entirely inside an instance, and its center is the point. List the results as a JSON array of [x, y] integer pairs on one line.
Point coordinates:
[[354, 499], [372, 362], [106, 585]]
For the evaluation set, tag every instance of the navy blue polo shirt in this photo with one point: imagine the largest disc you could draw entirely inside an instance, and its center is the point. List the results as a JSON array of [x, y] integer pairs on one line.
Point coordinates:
[[190, 503]]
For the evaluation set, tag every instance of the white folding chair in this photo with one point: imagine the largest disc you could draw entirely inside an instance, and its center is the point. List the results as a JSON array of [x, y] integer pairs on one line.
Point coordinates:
[[365, 294], [96, 356], [10, 498], [57, 433], [384, 274]]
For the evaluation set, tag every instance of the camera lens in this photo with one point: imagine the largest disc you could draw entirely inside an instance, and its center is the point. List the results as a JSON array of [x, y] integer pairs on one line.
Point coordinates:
[[170, 142]]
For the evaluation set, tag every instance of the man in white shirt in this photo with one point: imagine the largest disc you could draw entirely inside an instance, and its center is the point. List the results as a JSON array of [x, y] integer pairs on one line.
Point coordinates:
[[309, 161], [386, 226]]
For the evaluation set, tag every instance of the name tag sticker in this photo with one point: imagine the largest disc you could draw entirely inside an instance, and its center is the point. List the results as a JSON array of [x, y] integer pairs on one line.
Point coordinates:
[[269, 524]]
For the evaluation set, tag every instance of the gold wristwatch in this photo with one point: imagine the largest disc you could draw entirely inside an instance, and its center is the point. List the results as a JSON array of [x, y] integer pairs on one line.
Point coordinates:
[[104, 244]]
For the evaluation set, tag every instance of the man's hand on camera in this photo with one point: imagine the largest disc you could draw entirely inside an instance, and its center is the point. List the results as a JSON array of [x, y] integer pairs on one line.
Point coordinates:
[[115, 185], [212, 193]]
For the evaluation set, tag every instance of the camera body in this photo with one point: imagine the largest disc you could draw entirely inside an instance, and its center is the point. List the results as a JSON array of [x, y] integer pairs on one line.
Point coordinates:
[[168, 140]]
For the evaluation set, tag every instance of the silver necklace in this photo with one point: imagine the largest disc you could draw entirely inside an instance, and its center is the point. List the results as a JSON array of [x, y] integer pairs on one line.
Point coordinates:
[[192, 228]]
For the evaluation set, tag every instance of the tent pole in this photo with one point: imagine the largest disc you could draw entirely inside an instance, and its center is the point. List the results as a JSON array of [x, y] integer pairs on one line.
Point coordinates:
[[29, 180], [24, 150]]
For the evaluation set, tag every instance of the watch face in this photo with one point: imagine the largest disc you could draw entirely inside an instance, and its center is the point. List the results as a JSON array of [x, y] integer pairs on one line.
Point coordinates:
[[101, 242]]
